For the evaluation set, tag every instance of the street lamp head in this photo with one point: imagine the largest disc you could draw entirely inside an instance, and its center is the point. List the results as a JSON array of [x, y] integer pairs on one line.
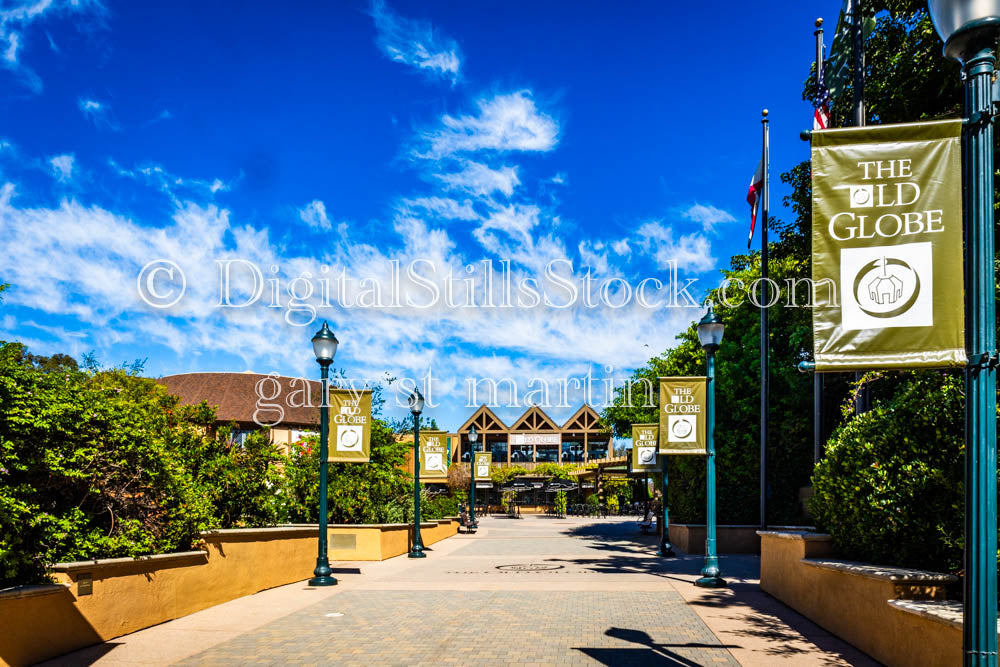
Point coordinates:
[[473, 436], [325, 345], [710, 330], [966, 26], [416, 402]]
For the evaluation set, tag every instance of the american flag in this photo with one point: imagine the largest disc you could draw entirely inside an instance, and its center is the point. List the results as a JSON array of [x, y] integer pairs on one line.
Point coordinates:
[[821, 116]]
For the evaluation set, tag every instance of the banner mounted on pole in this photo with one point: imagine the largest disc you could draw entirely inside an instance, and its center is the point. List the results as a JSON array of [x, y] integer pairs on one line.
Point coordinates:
[[887, 247], [433, 456], [645, 451], [350, 426], [682, 415], [482, 466]]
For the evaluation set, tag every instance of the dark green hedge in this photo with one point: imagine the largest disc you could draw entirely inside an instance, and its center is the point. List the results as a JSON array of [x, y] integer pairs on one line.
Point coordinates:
[[890, 488]]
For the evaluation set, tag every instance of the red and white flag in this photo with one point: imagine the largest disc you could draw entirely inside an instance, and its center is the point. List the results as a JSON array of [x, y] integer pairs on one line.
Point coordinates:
[[753, 196]]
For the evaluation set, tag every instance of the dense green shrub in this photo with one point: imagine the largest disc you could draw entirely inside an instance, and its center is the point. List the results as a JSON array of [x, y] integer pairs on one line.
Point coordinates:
[[92, 465], [438, 507], [560, 503], [357, 493], [101, 463], [890, 487]]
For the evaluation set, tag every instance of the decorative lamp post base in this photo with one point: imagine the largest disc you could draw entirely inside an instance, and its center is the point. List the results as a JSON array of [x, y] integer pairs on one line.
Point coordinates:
[[711, 582], [665, 551], [417, 553], [322, 575]]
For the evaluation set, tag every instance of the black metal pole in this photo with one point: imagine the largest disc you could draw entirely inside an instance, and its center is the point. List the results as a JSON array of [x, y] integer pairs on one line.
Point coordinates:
[[858, 34], [817, 417], [817, 378], [862, 401], [418, 546], [472, 483], [322, 575], [666, 550], [764, 334]]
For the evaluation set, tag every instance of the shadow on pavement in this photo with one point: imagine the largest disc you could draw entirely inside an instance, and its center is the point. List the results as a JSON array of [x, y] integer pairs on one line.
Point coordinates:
[[652, 653]]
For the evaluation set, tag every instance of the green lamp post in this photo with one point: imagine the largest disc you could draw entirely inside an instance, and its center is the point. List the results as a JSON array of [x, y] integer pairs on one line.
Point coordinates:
[[666, 550], [325, 348], [970, 29], [710, 331], [416, 407], [473, 436]]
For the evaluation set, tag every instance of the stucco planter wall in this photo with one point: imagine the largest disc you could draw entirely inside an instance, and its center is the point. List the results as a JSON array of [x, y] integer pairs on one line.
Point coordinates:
[[898, 616], [126, 594]]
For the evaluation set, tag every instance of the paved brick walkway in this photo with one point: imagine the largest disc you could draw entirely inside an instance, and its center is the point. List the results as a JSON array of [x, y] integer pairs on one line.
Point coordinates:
[[535, 591]]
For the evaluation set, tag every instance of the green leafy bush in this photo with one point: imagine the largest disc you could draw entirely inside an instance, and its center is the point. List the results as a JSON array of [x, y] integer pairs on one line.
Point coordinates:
[[356, 493], [438, 507], [889, 489], [556, 470], [92, 465], [560, 503]]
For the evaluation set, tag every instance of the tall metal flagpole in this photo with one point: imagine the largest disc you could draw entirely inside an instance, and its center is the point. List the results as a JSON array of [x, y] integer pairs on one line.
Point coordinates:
[[764, 299], [818, 377], [862, 402], [857, 32]]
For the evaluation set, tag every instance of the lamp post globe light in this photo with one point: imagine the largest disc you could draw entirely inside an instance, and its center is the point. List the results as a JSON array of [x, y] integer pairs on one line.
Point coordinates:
[[473, 436], [710, 331], [970, 29], [416, 407], [325, 348]]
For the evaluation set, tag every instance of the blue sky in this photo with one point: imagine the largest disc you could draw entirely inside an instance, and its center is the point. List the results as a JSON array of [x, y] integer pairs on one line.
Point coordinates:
[[353, 135]]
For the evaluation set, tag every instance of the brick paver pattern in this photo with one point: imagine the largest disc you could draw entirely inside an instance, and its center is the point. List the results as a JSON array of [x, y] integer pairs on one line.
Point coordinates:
[[487, 613]]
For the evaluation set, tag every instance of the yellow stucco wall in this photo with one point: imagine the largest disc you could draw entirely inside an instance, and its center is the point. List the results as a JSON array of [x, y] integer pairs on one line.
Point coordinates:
[[855, 607], [37, 623]]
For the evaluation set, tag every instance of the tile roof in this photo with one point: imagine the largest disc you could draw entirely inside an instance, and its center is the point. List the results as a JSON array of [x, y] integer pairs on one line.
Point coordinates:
[[236, 396]]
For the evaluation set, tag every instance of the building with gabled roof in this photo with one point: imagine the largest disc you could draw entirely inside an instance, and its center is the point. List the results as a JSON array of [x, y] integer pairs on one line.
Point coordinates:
[[535, 437]]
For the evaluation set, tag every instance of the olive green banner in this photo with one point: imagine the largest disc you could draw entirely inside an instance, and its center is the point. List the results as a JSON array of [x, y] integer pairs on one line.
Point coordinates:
[[645, 451], [433, 456], [682, 415], [350, 426], [482, 466], [887, 247]]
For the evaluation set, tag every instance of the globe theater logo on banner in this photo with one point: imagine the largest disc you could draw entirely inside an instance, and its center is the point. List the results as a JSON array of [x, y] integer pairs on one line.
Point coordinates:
[[887, 247], [350, 415], [433, 455], [645, 450], [682, 415]]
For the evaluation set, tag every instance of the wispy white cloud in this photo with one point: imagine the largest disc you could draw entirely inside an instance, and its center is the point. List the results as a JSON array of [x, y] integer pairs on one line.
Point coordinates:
[[99, 113], [692, 252], [314, 215], [16, 18], [480, 179], [706, 215], [416, 43], [444, 208], [176, 187], [505, 122], [62, 167]]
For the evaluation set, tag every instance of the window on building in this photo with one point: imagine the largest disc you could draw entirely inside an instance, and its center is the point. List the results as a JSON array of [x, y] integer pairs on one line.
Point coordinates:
[[597, 449], [547, 453], [522, 453], [499, 449], [299, 436], [572, 451], [239, 436]]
